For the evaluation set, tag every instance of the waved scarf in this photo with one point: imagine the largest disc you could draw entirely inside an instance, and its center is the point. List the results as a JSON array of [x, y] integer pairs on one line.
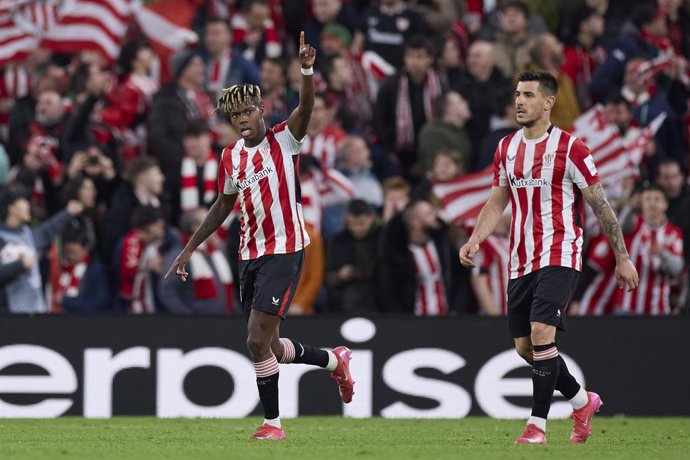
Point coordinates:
[[203, 274], [404, 133], [69, 282], [189, 188]]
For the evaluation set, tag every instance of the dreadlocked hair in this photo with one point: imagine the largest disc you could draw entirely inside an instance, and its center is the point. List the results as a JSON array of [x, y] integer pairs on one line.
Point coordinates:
[[238, 95]]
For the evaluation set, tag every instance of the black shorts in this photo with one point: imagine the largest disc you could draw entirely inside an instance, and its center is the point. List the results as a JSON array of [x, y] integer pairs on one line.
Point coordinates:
[[269, 283], [542, 296]]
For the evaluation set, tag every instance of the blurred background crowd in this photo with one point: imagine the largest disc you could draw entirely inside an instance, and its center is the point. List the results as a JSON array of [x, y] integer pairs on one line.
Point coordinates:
[[110, 146]]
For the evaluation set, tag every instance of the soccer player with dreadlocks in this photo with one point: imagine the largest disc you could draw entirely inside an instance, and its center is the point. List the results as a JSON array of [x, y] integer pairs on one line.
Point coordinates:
[[260, 170]]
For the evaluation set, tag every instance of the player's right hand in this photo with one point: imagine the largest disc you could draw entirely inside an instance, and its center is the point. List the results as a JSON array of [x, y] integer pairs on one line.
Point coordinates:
[[467, 252], [178, 266]]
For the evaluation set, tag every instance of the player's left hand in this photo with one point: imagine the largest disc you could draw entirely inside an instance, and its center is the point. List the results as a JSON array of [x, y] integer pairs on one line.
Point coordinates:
[[626, 274], [307, 54]]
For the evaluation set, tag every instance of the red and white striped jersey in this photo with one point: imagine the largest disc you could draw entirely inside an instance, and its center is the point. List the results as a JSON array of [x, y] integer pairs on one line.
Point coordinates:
[[430, 298], [492, 260], [601, 296], [545, 177], [265, 176], [322, 188], [136, 285], [323, 146], [652, 295]]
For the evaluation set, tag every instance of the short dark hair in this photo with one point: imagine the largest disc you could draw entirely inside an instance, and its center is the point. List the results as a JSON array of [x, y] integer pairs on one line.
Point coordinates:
[[219, 21], [618, 99], [665, 161], [517, 4], [140, 164], [643, 14], [196, 128], [547, 82], [651, 187], [75, 232], [128, 53], [143, 216], [70, 190], [358, 207], [417, 42]]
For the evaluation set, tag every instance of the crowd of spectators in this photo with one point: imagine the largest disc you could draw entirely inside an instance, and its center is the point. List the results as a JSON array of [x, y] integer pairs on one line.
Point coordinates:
[[107, 172]]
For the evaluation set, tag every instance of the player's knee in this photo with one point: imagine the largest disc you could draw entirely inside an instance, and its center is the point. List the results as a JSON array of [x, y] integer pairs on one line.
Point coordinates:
[[541, 333], [257, 344]]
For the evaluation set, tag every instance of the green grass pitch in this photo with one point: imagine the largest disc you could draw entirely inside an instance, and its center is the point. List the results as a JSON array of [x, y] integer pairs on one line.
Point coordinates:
[[335, 438]]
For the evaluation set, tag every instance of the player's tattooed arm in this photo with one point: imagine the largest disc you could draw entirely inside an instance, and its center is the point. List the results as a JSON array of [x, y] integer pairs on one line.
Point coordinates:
[[594, 195]]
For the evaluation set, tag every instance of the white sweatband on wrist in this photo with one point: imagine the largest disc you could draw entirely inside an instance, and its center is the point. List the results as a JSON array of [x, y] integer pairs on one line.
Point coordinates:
[[308, 71]]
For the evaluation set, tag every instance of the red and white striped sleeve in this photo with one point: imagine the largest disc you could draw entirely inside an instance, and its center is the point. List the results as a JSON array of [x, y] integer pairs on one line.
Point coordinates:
[[500, 176], [225, 184], [580, 165], [290, 145], [674, 242]]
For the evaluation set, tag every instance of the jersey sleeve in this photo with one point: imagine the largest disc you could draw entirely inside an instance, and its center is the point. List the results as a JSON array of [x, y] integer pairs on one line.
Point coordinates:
[[500, 176], [225, 183], [674, 242], [580, 165], [286, 139]]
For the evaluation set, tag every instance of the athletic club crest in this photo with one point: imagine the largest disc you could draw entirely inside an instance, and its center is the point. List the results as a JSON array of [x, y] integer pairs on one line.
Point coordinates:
[[548, 158]]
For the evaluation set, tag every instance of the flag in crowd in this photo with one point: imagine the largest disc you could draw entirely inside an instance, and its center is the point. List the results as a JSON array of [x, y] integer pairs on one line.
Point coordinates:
[[463, 198], [100, 25]]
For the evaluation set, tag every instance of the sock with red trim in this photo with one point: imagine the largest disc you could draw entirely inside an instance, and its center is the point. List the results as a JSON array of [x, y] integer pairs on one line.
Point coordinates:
[[295, 352], [544, 375]]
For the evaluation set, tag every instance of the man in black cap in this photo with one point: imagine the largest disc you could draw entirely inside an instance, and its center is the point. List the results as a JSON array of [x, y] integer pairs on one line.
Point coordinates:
[[177, 103], [21, 247]]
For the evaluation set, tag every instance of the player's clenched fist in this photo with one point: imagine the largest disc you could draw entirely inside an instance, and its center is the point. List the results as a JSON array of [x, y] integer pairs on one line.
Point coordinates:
[[467, 252]]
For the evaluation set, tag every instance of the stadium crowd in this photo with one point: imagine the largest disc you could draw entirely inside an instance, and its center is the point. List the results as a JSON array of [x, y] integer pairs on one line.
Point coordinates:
[[107, 170]]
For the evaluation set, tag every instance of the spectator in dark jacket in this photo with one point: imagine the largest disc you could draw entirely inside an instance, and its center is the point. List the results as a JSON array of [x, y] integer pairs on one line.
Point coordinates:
[[408, 98], [46, 77], [479, 84], [143, 187], [643, 43], [416, 263], [352, 266], [174, 106], [83, 282]]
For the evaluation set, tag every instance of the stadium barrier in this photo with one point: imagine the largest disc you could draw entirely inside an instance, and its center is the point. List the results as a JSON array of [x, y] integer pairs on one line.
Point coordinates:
[[404, 367]]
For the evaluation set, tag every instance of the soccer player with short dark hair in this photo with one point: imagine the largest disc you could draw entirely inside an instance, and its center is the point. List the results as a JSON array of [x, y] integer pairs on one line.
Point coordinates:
[[545, 172], [260, 170]]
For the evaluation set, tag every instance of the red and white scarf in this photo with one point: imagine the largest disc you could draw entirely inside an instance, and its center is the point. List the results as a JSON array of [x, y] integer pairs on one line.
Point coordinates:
[[69, 282], [189, 188], [202, 273], [217, 71], [404, 134]]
